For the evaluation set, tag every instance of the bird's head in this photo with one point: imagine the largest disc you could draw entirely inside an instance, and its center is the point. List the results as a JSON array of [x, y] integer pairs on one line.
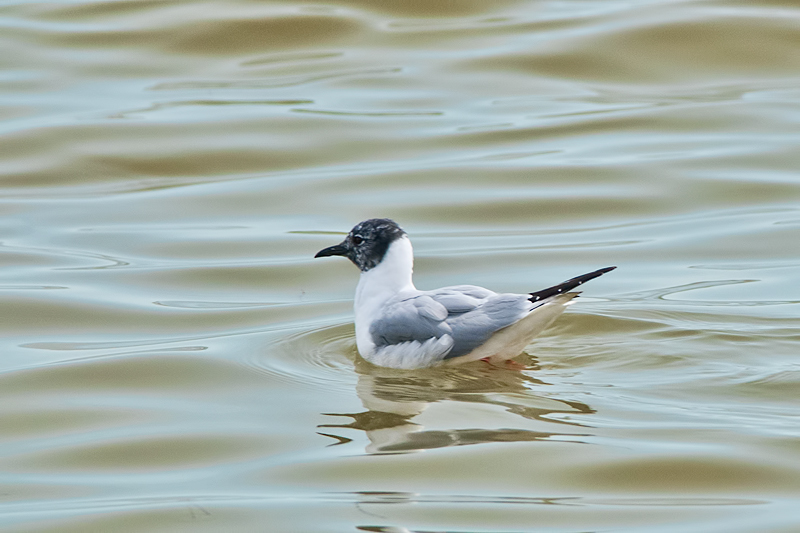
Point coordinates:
[[367, 242]]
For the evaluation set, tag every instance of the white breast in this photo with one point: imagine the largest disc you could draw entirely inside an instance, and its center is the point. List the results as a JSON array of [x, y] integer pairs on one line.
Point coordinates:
[[376, 286]]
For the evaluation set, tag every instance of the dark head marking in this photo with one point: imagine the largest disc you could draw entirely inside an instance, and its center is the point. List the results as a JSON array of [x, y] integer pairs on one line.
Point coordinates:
[[367, 242]]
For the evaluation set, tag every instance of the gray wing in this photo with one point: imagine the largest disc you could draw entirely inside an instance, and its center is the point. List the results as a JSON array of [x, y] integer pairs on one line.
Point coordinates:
[[474, 314], [474, 327], [461, 298], [468, 314], [419, 318]]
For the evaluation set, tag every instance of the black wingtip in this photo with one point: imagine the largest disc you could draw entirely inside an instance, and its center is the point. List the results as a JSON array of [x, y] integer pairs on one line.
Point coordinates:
[[568, 285]]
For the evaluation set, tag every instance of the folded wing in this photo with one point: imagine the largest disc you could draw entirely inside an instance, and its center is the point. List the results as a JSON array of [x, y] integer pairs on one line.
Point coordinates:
[[474, 327], [447, 322]]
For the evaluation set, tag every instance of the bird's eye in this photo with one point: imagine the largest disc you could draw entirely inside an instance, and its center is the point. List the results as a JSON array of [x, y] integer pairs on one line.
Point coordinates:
[[357, 240]]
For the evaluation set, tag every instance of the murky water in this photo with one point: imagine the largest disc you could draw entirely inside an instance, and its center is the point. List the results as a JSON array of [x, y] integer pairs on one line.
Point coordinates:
[[173, 359]]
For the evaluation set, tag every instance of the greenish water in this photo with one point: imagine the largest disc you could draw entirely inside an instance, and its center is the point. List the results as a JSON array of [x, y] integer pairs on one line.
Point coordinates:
[[173, 359]]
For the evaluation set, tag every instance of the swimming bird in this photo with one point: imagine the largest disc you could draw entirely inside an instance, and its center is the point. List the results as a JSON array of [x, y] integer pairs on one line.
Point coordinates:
[[399, 326]]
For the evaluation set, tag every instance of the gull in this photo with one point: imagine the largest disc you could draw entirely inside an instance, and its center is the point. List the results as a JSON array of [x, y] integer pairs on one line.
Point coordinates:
[[399, 326]]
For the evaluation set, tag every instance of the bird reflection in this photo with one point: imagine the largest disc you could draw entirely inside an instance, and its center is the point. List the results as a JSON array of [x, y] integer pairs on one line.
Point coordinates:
[[393, 398]]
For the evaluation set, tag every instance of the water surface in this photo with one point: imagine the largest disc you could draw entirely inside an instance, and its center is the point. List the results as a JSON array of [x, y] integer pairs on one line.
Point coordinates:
[[174, 359]]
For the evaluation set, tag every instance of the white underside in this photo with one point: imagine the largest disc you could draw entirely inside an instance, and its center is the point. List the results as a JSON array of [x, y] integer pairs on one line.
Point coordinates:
[[413, 354]]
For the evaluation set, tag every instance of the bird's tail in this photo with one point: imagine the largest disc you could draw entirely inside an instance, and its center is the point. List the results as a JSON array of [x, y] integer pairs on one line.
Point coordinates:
[[568, 285]]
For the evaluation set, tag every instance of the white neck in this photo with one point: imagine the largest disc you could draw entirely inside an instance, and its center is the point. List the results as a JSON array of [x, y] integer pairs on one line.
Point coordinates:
[[391, 276]]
